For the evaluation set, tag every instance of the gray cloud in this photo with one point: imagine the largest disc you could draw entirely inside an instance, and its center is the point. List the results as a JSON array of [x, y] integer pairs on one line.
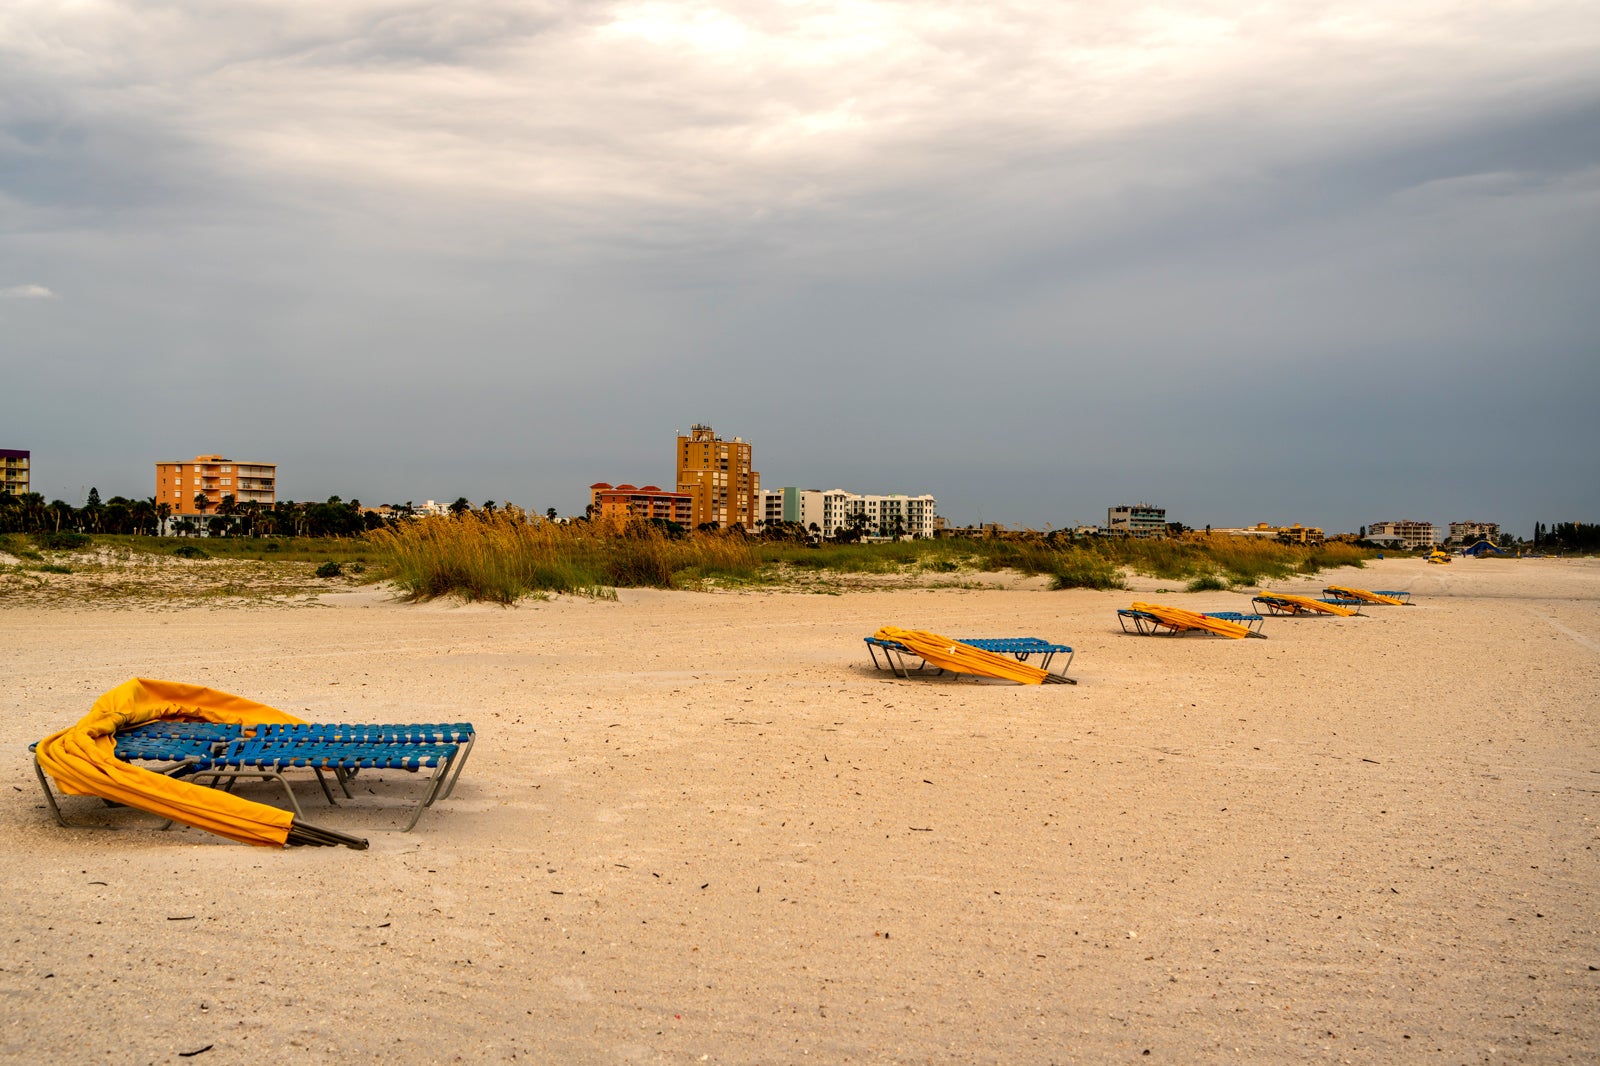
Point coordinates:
[[1287, 265]]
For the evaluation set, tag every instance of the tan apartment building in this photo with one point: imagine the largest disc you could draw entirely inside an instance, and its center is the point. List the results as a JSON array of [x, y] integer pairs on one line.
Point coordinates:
[[177, 484], [716, 473], [14, 476], [1472, 532], [1406, 533], [626, 501], [1309, 536]]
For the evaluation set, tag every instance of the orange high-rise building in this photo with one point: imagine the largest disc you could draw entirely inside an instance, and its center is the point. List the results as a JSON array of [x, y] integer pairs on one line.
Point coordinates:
[[717, 474], [177, 484]]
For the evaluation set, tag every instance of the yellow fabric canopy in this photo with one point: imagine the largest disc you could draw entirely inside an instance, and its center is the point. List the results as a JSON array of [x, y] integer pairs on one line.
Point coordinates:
[[1364, 595], [1182, 619], [82, 760], [961, 658], [1306, 603]]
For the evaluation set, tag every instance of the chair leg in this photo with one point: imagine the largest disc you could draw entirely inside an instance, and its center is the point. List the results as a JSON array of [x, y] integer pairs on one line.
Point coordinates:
[[431, 793], [50, 796], [461, 762]]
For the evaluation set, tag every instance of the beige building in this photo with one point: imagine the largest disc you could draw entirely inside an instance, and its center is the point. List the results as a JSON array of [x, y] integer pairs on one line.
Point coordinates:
[[14, 475], [716, 473], [1472, 532], [1310, 536], [1408, 534], [213, 477]]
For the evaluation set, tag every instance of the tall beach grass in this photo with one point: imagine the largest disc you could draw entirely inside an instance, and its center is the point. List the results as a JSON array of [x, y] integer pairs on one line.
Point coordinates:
[[503, 557]]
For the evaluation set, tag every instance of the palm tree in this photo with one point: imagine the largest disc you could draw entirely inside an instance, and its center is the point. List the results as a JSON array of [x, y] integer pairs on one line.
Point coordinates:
[[163, 512]]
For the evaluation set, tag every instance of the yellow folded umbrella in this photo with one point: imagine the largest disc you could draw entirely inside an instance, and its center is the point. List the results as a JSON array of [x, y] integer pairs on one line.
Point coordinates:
[[1364, 595], [82, 760], [1306, 603], [961, 658], [1179, 618]]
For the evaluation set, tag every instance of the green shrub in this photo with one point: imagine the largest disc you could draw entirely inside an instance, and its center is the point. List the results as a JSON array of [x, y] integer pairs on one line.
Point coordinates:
[[330, 569], [64, 541], [1207, 583], [1085, 570], [190, 551], [53, 568]]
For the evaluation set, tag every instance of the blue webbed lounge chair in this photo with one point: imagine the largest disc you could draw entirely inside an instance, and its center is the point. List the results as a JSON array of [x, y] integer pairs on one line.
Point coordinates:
[[220, 752], [458, 733], [894, 653], [269, 757]]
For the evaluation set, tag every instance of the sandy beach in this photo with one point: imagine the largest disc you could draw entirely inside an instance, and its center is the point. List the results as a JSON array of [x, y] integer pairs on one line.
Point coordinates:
[[699, 827]]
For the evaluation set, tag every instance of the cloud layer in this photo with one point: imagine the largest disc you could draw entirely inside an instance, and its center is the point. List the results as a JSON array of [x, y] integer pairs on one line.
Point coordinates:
[[1035, 259]]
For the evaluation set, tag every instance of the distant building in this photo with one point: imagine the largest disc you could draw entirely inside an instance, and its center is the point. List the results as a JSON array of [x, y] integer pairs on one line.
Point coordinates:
[[626, 501], [179, 484], [1310, 536], [1260, 529], [14, 476], [1139, 520], [829, 511], [1404, 533], [1472, 532], [717, 474]]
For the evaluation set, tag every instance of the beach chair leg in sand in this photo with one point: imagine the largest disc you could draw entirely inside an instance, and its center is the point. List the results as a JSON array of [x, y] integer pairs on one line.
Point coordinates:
[[894, 658]]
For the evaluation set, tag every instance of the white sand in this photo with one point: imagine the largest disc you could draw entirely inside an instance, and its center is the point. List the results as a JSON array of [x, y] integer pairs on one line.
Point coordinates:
[[701, 828]]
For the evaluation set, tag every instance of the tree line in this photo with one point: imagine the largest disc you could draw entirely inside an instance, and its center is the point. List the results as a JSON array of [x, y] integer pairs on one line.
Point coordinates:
[[1567, 536], [29, 513]]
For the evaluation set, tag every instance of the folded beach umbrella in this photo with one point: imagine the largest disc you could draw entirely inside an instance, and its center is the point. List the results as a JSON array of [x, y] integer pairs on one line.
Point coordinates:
[[961, 658], [1366, 595], [82, 761], [1178, 619], [1299, 604]]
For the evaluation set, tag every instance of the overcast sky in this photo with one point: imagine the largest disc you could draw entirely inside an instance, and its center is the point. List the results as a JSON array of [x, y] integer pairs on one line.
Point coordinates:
[[1328, 263]]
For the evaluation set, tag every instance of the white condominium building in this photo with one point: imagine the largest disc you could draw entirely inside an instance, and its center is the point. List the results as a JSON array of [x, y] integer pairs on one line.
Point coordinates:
[[828, 511]]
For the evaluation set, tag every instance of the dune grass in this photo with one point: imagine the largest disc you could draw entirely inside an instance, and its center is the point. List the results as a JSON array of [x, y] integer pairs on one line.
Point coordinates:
[[503, 557]]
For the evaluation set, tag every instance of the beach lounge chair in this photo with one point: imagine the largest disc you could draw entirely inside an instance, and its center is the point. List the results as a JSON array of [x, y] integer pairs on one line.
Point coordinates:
[[1344, 593], [1020, 647], [1295, 606], [1149, 619], [149, 745], [458, 733], [981, 656], [269, 757]]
